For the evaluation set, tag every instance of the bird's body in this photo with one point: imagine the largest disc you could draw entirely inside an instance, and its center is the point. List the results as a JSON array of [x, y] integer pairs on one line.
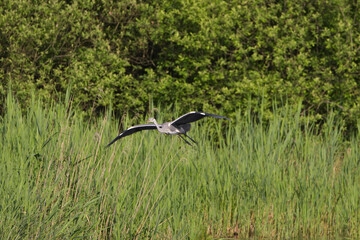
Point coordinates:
[[180, 126]]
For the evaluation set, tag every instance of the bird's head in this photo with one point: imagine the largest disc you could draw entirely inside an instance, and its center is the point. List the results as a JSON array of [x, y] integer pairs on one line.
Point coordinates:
[[151, 120]]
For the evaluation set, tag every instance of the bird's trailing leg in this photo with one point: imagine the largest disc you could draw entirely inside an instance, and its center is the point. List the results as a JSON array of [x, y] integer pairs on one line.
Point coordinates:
[[191, 139], [185, 140]]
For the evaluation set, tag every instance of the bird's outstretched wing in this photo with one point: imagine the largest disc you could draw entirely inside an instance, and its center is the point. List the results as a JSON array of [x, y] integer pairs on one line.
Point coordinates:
[[132, 130], [192, 117]]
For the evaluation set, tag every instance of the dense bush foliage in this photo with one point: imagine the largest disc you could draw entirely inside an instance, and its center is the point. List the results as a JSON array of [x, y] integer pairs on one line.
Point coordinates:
[[205, 54]]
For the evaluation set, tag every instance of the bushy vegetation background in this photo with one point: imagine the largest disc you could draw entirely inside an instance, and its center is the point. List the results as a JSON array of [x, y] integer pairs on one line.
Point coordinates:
[[205, 54], [280, 179]]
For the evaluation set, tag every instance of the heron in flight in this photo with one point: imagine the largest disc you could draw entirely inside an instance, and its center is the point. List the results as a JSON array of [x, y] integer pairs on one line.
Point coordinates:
[[179, 126]]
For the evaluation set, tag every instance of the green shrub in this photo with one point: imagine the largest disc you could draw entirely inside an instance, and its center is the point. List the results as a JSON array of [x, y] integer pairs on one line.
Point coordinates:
[[204, 54]]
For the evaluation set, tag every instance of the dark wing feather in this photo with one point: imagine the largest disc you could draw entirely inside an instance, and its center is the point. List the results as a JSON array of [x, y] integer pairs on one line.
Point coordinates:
[[192, 117], [132, 130]]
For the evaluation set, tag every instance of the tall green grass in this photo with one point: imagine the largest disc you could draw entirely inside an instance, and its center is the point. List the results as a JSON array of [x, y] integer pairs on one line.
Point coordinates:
[[281, 179]]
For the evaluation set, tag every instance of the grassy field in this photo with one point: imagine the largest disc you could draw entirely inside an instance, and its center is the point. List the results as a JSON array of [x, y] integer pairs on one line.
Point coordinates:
[[279, 180]]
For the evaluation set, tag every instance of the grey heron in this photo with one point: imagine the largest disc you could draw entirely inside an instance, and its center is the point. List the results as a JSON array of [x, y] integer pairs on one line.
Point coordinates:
[[179, 126]]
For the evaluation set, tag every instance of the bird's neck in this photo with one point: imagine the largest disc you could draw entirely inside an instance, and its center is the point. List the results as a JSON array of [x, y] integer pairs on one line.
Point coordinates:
[[156, 124]]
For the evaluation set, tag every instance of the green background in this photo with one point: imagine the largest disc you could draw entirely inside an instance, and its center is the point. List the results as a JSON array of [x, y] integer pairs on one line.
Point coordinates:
[[205, 54]]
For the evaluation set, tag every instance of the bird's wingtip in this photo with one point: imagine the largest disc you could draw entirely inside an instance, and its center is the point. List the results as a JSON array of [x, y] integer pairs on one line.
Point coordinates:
[[108, 145], [214, 115], [113, 141]]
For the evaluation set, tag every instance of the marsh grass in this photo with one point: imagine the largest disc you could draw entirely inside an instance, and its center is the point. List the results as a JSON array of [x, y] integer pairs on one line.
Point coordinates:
[[281, 179]]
